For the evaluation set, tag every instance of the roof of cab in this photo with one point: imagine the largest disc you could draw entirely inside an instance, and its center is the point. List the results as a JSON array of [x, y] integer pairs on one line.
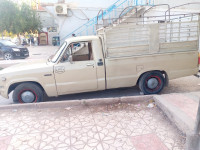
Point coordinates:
[[82, 38]]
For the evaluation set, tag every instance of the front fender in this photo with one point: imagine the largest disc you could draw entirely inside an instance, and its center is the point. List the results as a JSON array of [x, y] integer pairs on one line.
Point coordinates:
[[49, 87]]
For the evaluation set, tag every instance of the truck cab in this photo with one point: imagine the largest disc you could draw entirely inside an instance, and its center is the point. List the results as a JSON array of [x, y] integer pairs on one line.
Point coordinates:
[[77, 66]]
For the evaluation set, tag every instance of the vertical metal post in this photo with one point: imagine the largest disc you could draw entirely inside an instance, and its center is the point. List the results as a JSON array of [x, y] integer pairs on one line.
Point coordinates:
[[197, 125], [179, 33], [171, 32]]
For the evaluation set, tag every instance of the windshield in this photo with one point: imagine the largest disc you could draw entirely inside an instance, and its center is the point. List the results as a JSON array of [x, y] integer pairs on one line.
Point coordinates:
[[7, 43], [58, 52]]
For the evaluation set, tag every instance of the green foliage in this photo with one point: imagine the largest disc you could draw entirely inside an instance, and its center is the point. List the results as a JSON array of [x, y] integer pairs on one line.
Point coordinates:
[[18, 19], [8, 12]]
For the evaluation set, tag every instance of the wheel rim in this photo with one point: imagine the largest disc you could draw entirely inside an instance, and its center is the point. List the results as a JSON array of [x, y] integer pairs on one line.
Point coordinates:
[[8, 56], [152, 83], [28, 97]]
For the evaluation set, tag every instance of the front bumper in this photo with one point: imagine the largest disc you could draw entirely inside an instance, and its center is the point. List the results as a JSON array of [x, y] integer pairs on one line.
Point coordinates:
[[21, 54], [3, 92]]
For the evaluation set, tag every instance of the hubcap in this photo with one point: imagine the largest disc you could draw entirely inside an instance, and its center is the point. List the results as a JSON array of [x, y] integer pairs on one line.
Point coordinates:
[[27, 97], [152, 83], [8, 56]]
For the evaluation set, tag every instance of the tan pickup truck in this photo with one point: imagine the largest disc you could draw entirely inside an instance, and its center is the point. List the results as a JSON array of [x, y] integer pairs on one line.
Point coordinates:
[[146, 54]]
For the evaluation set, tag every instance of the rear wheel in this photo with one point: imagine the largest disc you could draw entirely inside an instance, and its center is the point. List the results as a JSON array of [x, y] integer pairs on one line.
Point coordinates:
[[8, 56], [151, 82], [28, 93]]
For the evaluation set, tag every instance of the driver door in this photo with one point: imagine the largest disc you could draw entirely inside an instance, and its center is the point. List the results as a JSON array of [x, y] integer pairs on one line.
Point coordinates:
[[76, 72]]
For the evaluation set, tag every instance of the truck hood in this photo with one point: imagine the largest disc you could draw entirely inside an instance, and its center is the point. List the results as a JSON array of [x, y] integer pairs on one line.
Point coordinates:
[[39, 64]]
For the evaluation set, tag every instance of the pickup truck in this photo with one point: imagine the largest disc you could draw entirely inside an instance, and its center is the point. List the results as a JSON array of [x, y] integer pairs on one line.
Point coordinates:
[[147, 55]]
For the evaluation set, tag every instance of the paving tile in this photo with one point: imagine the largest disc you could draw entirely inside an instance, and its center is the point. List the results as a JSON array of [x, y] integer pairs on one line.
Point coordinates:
[[24, 142], [92, 146], [29, 127], [113, 127], [84, 135], [56, 123], [8, 128], [118, 144], [54, 139], [81, 120], [4, 142], [148, 142]]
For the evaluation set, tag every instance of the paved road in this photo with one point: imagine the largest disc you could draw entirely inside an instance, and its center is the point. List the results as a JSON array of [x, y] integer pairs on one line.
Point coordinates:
[[181, 85]]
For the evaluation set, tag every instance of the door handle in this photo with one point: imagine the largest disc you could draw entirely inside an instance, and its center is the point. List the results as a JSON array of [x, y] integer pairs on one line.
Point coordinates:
[[90, 65]]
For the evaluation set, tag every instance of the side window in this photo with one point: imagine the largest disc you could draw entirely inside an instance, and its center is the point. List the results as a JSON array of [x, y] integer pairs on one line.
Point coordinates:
[[81, 51]]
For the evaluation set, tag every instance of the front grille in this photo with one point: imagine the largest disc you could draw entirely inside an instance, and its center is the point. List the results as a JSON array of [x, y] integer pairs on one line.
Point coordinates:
[[24, 50]]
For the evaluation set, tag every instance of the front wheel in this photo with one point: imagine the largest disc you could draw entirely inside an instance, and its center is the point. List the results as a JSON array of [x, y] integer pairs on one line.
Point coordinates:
[[28, 93], [8, 56], [151, 82]]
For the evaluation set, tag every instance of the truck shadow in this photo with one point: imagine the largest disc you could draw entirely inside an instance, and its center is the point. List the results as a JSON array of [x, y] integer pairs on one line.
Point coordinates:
[[133, 91]]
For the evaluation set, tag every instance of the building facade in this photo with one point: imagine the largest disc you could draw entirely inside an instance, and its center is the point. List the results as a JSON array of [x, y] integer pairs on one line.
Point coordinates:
[[80, 11]]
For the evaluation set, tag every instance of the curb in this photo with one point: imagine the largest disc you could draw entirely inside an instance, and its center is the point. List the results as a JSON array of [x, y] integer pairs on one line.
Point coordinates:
[[175, 115], [75, 103]]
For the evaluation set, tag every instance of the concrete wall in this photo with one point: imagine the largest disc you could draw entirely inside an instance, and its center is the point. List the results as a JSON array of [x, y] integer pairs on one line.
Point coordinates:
[[82, 10], [79, 13]]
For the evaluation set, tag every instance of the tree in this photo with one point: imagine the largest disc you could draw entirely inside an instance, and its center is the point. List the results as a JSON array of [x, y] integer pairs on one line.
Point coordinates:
[[8, 13], [18, 19]]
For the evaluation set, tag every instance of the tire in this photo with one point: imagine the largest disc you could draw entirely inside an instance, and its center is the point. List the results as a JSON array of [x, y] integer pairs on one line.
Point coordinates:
[[151, 83], [8, 56], [28, 93]]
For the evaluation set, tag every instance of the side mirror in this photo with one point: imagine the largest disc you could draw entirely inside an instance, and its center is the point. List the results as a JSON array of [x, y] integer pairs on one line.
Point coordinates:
[[70, 59]]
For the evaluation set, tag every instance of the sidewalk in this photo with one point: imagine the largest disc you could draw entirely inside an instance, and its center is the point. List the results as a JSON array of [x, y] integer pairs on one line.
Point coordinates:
[[121, 126], [180, 108]]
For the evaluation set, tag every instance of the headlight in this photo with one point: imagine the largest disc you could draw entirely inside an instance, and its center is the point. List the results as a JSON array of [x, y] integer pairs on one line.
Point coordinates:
[[3, 78], [16, 49]]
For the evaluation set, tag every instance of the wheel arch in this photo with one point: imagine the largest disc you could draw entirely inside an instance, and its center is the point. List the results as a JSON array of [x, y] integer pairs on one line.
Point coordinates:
[[14, 85], [161, 71]]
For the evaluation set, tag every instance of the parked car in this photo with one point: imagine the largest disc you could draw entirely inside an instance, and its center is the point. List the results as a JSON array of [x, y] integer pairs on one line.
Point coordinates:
[[9, 50]]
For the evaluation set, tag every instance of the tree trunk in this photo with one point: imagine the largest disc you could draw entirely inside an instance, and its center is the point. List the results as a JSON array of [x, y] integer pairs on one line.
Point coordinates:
[[18, 36]]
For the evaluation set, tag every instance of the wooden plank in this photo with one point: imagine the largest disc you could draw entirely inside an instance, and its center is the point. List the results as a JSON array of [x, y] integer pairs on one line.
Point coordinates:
[[178, 46]]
